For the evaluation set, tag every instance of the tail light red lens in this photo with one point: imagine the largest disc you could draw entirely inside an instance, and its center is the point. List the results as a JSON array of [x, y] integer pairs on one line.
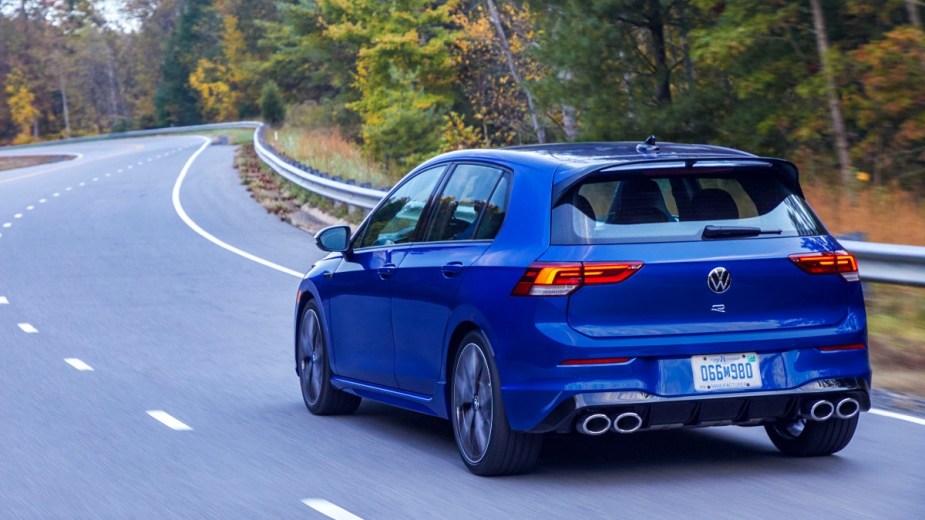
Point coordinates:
[[595, 361], [562, 279], [854, 346], [834, 262]]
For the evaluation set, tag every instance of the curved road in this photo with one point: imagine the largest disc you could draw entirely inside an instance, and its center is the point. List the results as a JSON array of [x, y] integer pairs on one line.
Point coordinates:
[[192, 407]]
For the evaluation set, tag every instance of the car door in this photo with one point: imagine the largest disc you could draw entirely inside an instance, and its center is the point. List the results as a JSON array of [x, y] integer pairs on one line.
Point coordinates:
[[361, 322], [466, 216]]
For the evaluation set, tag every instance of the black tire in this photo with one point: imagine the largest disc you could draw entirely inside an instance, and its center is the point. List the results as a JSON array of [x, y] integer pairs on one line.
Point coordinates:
[[805, 438], [315, 372], [486, 443]]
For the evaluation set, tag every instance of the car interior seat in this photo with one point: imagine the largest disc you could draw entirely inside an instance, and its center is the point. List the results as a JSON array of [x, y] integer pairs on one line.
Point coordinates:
[[638, 201], [712, 204]]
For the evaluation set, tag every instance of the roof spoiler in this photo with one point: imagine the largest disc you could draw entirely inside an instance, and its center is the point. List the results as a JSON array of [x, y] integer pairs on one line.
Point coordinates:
[[790, 171]]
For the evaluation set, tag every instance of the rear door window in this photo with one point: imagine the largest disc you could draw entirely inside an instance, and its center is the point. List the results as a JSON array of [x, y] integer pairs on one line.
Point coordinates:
[[467, 207], [624, 207]]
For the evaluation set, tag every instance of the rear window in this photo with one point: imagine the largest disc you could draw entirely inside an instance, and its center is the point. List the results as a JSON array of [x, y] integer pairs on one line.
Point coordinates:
[[624, 207]]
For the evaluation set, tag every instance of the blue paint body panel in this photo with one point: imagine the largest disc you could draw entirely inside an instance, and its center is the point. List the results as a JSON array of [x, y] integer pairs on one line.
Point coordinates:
[[391, 339]]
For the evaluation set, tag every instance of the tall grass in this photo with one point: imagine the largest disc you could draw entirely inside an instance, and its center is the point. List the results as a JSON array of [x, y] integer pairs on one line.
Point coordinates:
[[891, 216], [312, 135]]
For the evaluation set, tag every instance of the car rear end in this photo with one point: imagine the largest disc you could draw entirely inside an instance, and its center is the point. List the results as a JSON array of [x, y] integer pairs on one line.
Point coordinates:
[[680, 293]]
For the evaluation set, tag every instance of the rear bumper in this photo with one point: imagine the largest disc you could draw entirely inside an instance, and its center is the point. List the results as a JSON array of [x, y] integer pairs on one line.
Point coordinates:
[[750, 408]]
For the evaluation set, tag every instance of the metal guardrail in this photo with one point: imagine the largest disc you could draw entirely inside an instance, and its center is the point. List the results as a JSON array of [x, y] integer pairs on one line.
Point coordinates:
[[315, 181], [886, 263], [889, 263]]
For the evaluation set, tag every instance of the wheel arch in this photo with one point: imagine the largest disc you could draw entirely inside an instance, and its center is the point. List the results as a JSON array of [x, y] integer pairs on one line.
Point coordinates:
[[305, 296]]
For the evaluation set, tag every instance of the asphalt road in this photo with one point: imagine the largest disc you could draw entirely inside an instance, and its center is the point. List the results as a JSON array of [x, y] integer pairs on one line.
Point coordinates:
[[192, 407]]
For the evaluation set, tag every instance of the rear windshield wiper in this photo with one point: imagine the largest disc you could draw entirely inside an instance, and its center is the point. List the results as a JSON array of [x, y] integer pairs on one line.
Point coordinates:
[[736, 231]]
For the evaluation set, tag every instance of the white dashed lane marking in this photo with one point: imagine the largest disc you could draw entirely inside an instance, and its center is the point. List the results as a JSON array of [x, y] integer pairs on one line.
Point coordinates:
[[18, 215], [43, 201], [330, 510], [4, 300], [7, 224], [78, 364], [56, 194], [30, 208], [27, 328], [68, 188], [168, 420], [82, 184]]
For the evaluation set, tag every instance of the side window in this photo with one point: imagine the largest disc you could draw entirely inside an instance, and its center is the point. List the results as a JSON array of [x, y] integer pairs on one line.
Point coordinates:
[[461, 203], [494, 213], [394, 221]]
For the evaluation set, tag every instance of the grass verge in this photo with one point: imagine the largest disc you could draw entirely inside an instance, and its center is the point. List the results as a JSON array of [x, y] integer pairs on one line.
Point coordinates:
[[24, 161], [896, 321], [289, 202]]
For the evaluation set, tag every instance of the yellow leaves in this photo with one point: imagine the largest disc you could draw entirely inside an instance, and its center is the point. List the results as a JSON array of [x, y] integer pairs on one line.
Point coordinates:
[[21, 101], [217, 99]]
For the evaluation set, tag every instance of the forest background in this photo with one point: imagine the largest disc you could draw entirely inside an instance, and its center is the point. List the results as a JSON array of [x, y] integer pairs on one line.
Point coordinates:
[[838, 86]]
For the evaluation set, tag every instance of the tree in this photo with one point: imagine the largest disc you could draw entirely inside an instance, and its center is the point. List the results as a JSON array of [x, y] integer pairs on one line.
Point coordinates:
[[888, 106], [193, 39], [838, 121], [405, 72], [21, 101], [272, 107]]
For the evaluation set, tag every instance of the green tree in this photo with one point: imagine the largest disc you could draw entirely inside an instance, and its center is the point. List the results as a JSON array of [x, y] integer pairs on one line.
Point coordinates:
[[405, 72], [196, 37], [272, 108]]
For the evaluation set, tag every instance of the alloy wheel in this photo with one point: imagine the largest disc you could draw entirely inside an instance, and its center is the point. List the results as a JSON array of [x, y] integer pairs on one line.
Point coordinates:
[[472, 402]]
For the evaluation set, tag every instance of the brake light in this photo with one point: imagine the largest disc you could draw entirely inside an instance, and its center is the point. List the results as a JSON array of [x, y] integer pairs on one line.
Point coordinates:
[[832, 262], [854, 346], [555, 279], [595, 361]]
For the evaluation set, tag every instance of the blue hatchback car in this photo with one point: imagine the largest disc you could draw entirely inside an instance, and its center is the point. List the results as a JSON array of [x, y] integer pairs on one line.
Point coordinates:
[[590, 287]]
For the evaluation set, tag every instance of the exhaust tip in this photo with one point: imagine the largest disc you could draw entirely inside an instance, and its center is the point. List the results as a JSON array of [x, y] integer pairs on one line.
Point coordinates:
[[594, 424], [627, 422], [821, 411], [847, 408]]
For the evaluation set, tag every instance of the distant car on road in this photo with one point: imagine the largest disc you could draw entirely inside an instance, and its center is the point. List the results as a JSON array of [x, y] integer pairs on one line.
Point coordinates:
[[590, 287]]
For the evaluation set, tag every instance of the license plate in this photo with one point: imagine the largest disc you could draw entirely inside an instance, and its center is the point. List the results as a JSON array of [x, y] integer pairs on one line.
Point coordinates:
[[714, 372]]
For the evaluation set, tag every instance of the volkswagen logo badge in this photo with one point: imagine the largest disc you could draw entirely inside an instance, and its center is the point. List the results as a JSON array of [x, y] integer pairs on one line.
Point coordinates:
[[719, 280]]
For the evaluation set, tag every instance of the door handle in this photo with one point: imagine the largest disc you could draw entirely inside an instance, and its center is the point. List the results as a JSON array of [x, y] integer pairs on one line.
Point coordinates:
[[386, 271], [452, 269]]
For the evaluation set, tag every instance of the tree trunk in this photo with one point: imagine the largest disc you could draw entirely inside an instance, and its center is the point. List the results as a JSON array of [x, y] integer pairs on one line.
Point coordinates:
[[569, 122], [838, 122], [913, 10], [67, 114], [496, 20], [662, 72]]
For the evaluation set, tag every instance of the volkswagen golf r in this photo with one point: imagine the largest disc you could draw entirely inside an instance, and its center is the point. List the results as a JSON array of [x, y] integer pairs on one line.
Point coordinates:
[[590, 287]]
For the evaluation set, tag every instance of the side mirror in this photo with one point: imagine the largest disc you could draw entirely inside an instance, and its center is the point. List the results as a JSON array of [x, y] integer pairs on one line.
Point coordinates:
[[334, 238]]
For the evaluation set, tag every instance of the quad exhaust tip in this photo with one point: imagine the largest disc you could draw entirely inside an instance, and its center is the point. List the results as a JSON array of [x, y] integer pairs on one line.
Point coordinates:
[[594, 424], [627, 422], [847, 408], [821, 411]]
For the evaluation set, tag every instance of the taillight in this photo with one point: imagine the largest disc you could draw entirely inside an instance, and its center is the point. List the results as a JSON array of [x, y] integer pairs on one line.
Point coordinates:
[[555, 279], [833, 262], [853, 346]]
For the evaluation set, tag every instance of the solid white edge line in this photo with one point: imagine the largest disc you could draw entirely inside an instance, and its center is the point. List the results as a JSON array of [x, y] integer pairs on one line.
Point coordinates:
[[203, 233], [330, 510], [27, 328], [168, 420], [78, 364], [901, 417]]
